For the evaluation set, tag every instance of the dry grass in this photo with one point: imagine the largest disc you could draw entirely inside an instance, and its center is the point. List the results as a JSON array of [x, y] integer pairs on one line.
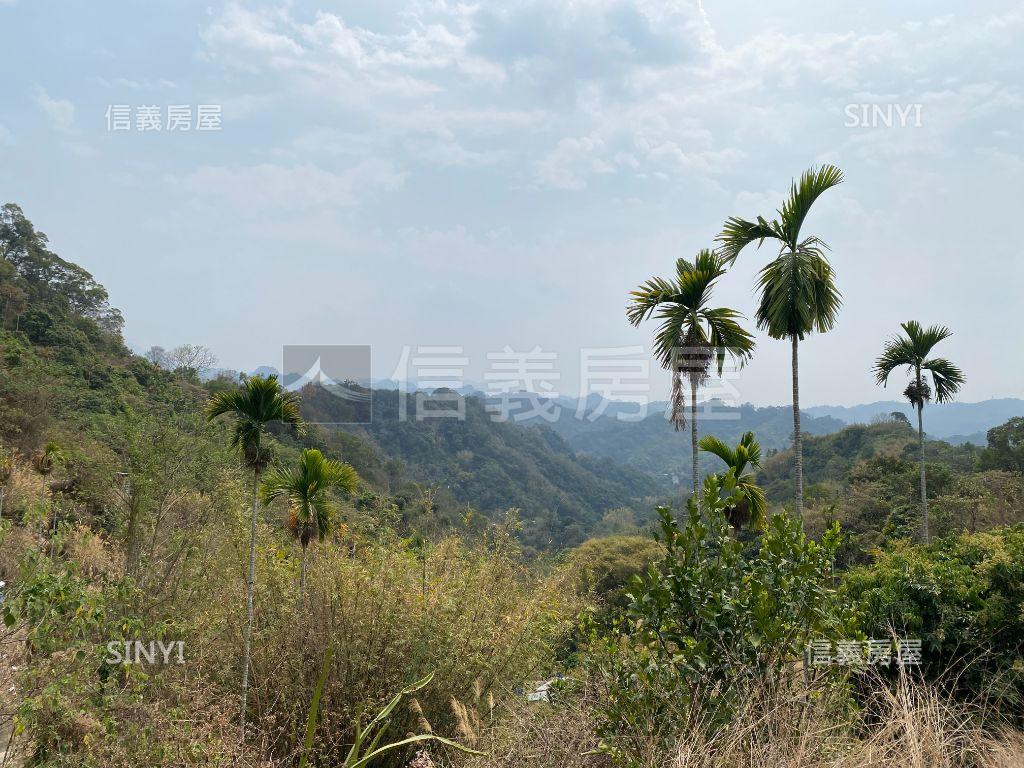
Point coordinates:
[[906, 726], [94, 557]]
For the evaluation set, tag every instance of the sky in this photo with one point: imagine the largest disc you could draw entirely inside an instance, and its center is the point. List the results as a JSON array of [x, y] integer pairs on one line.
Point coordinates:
[[416, 174]]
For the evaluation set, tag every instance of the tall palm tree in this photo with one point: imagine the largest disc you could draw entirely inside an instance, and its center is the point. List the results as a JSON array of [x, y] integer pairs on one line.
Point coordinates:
[[798, 291], [307, 489], [912, 351], [692, 335], [753, 509], [257, 403]]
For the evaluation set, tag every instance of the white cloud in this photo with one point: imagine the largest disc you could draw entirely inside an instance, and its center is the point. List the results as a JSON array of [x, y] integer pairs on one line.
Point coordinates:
[[254, 190], [60, 111], [574, 159], [563, 90], [137, 85]]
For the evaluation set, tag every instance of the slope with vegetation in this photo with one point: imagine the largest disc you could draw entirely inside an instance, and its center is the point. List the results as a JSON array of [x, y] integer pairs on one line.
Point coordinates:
[[138, 506]]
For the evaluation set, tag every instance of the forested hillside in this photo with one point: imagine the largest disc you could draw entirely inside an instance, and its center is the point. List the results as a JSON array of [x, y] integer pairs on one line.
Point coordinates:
[[867, 478], [134, 496], [654, 446], [489, 464], [68, 378]]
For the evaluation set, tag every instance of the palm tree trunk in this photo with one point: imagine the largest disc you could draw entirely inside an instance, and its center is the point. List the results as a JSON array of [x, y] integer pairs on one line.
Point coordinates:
[[132, 553], [920, 443], [250, 584], [302, 573], [693, 438], [798, 449]]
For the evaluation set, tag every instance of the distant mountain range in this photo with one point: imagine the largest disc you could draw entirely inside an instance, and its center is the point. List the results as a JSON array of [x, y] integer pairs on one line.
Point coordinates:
[[953, 422]]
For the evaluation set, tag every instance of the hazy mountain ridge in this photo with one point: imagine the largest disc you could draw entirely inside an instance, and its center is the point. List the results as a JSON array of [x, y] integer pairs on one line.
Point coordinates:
[[954, 422]]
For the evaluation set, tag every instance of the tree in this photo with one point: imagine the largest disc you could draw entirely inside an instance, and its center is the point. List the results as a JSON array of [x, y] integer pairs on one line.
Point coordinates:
[[752, 508], [1005, 447], [912, 351], [798, 294], [186, 359], [191, 359], [48, 280], [609, 563], [44, 460], [899, 417], [258, 402], [157, 356], [691, 335], [311, 512]]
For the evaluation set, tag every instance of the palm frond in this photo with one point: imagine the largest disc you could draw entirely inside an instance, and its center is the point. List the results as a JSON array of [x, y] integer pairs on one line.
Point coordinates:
[[750, 449], [798, 295], [947, 377], [753, 509], [713, 445], [647, 298], [728, 337], [898, 352], [911, 350], [259, 401], [757, 503], [738, 233], [306, 488], [231, 401], [924, 339], [802, 195]]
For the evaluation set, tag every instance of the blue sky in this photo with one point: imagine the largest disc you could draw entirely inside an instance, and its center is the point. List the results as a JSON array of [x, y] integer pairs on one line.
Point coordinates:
[[502, 173]]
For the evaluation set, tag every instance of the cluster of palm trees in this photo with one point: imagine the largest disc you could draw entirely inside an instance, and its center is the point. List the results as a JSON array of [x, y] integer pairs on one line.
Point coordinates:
[[259, 402], [797, 296]]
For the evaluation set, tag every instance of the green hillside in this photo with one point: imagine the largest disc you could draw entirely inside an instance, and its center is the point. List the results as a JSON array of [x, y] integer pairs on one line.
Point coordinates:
[[67, 377], [867, 478], [655, 447], [490, 465]]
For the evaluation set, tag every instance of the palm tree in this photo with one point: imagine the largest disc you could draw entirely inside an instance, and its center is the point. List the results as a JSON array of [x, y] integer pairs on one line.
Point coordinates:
[[753, 509], [258, 402], [692, 335], [798, 291], [912, 351], [311, 511]]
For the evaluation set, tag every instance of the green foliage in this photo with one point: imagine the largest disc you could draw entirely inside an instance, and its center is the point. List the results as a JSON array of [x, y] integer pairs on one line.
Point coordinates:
[[687, 320], [70, 620], [708, 623], [489, 465], [260, 401], [963, 596], [738, 233], [1005, 447], [866, 477], [912, 351], [57, 289], [307, 489], [797, 289], [607, 565], [752, 509]]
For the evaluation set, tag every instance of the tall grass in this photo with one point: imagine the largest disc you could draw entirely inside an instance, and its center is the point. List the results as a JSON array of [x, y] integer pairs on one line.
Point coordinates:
[[475, 615], [902, 725]]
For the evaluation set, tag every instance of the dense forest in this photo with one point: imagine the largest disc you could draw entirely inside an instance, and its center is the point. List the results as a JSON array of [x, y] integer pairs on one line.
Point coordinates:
[[482, 594]]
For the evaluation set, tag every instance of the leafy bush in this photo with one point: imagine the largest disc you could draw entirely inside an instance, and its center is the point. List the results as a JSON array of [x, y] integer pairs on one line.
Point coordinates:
[[708, 624], [963, 596]]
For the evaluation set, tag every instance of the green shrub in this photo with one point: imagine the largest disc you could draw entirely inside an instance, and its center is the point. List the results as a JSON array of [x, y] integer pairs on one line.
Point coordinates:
[[708, 624], [963, 597]]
